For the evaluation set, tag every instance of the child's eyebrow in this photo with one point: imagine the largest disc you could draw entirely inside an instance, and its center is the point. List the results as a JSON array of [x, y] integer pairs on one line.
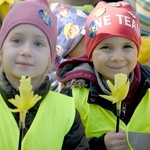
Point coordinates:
[[106, 43], [16, 33], [40, 36], [129, 43]]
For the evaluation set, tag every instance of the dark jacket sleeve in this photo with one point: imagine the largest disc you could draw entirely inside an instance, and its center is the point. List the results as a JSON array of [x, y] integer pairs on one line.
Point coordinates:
[[76, 139], [97, 143]]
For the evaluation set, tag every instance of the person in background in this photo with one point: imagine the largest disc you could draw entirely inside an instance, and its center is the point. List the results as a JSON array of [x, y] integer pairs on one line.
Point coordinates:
[[71, 35], [112, 44], [27, 44], [142, 10], [71, 30]]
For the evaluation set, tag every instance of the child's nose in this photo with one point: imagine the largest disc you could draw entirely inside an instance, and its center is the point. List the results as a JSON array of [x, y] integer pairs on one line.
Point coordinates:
[[26, 51], [117, 56]]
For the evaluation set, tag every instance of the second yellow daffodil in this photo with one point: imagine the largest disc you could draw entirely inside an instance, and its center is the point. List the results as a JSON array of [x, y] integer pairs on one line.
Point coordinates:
[[119, 90]]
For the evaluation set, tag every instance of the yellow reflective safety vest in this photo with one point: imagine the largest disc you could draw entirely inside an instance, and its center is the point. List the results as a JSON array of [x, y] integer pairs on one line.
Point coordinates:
[[52, 122], [98, 120]]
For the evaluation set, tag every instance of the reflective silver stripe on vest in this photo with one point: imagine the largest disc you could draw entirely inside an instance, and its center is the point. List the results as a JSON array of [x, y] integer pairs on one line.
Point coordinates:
[[139, 141]]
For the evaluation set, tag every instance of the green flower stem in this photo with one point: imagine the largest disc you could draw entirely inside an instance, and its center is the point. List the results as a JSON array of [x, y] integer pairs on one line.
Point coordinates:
[[21, 128], [118, 118]]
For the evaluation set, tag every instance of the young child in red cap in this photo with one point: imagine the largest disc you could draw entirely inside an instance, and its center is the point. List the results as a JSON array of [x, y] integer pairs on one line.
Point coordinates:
[[27, 41], [112, 44]]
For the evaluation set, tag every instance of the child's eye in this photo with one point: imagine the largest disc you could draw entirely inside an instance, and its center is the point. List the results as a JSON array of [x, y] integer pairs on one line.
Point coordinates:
[[39, 44], [105, 47], [128, 46], [17, 41]]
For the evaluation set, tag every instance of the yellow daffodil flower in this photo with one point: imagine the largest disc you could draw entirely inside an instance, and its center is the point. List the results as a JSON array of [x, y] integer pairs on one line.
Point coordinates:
[[7, 1], [26, 100], [119, 90]]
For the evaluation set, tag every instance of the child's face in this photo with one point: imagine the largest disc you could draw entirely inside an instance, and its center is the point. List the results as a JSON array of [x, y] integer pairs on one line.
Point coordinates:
[[78, 50], [26, 51], [114, 55]]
